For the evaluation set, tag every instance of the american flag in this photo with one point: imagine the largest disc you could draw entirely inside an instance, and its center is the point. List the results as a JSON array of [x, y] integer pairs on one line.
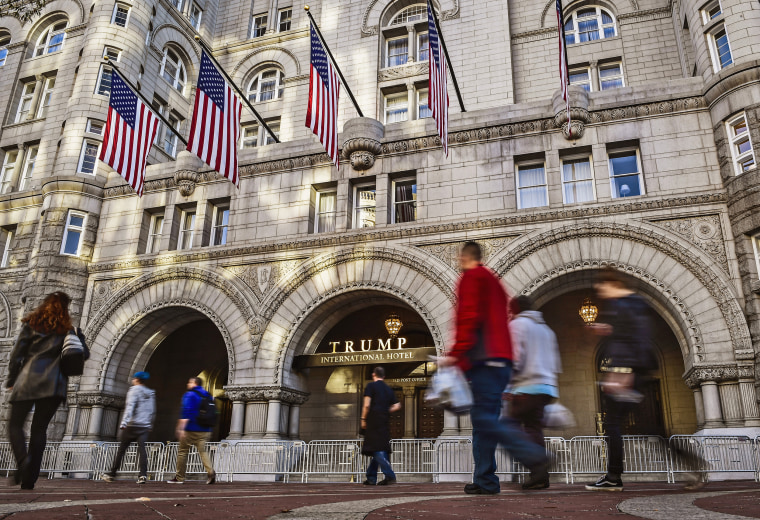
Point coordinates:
[[563, 71], [130, 130], [324, 88], [438, 94], [215, 129]]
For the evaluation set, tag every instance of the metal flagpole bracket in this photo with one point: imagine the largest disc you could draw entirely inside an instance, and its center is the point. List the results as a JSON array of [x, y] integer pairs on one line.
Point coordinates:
[[332, 59], [237, 89], [446, 52], [145, 100]]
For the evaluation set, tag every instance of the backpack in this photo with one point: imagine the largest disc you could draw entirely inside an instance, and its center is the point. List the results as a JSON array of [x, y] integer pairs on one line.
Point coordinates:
[[72, 355], [207, 413]]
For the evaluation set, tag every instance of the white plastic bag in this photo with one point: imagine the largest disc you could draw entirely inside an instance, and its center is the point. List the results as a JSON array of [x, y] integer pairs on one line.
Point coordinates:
[[558, 416], [450, 390]]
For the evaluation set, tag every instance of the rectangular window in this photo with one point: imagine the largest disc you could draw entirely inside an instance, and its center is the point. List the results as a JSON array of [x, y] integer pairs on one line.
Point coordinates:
[[581, 78], [88, 158], [94, 127], [186, 230], [397, 51], [423, 105], [3, 51], [47, 96], [6, 175], [577, 181], [104, 75], [396, 108], [176, 3], [250, 136], [283, 20], [611, 76], [259, 27], [625, 174], [6, 241], [170, 136], [154, 234], [531, 186], [195, 16], [28, 168], [72, 234], [364, 206], [741, 144], [274, 126], [327, 202], [711, 11], [423, 47], [220, 225], [120, 15], [25, 104], [404, 200], [720, 49]]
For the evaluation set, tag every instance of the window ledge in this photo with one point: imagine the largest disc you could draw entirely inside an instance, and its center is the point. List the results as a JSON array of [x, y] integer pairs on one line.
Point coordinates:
[[23, 123], [33, 58], [611, 38], [753, 169], [710, 27]]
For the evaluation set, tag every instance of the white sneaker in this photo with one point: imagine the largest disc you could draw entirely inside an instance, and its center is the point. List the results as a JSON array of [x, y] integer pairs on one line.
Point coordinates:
[[175, 481], [105, 477], [142, 480]]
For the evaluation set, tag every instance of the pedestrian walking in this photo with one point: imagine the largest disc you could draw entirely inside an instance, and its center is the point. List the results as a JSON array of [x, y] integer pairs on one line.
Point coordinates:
[[136, 424], [536, 365], [483, 350], [627, 357], [379, 403], [37, 380], [193, 429]]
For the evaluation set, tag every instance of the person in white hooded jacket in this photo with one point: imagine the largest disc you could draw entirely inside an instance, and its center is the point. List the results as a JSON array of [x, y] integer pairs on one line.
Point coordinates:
[[536, 366]]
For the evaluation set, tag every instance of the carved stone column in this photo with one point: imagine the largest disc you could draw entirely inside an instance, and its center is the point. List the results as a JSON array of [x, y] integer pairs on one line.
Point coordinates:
[[294, 422], [412, 44], [450, 424], [711, 399], [237, 420], [749, 402], [255, 419], [96, 420], [408, 411], [578, 112], [465, 425], [39, 86], [699, 406], [273, 419], [731, 404], [411, 92], [361, 141]]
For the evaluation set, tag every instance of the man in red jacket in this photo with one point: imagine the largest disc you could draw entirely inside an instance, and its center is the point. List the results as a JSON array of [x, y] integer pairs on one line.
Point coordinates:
[[483, 350]]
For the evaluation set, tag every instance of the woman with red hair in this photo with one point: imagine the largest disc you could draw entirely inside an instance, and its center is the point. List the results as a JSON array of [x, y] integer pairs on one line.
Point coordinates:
[[36, 381]]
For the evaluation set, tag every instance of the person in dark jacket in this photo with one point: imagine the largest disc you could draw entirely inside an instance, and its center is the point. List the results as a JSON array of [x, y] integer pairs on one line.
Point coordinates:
[[36, 381], [379, 403], [483, 349]]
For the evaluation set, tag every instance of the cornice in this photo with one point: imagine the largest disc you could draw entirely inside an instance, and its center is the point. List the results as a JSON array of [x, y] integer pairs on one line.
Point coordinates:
[[645, 16], [699, 374], [403, 231], [265, 393], [531, 36]]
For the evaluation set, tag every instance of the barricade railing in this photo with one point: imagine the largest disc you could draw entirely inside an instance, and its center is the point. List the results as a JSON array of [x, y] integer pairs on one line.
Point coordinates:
[[334, 459], [757, 459], [219, 453], [70, 458], [7, 460], [412, 456], [642, 454], [588, 456], [558, 451], [453, 457], [130, 464], [266, 460], [724, 454]]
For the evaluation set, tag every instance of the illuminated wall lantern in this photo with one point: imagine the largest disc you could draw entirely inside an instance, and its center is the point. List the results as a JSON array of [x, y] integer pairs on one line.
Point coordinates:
[[393, 325], [588, 312]]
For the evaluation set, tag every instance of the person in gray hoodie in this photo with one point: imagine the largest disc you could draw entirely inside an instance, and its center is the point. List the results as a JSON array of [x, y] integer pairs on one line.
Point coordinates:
[[536, 366], [136, 424]]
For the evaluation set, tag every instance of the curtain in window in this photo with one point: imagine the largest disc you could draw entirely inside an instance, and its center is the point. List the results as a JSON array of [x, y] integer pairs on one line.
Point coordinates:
[[576, 180], [532, 187], [406, 202], [326, 212], [398, 52]]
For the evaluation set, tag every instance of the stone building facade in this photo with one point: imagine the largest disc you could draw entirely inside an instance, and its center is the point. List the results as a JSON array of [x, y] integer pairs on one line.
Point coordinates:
[[250, 287]]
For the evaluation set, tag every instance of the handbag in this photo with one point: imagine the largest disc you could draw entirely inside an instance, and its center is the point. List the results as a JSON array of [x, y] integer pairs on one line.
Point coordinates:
[[450, 390], [72, 355], [558, 416]]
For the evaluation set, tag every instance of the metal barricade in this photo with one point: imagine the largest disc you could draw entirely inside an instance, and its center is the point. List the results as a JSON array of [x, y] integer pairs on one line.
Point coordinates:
[[413, 456], [757, 459], [642, 454], [194, 464], [588, 455], [130, 464], [7, 460], [727, 454], [70, 459], [333, 458], [262, 460], [558, 451], [453, 458]]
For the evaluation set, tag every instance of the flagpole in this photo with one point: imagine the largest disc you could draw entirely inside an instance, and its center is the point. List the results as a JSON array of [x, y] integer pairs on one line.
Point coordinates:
[[446, 52], [232, 83], [332, 59], [145, 100]]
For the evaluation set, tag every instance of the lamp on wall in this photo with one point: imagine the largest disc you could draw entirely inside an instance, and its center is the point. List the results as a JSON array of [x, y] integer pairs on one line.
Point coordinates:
[[588, 312], [393, 325]]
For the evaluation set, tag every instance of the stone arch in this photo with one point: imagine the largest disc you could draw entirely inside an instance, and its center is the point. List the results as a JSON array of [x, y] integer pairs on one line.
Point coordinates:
[[373, 13], [651, 254], [168, 34], [572, 5], [13, 27], [73, 9], [279, 56], [6, 318], [43, 23]]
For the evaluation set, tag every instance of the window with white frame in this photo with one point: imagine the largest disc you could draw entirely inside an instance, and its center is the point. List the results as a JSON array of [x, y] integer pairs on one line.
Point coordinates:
[[259, 27], [120, 15], [581, 78], [220, 224], [104, 74], [72, 234], [611, 76], [27, 168], [5, 40], [577, 180], [6, 242], [6, 175], [173, 70], [51, 39], [741, 144], [266, 85], [364, 206], [249, 136], [186, 230], [411, 14], [177, 4], [195, 15], [94, 127], [711, 11], [327, 211], [532, 191], [423, 46], [756, 247], [284, 17], [396, 108], [88, 157], [720, 49], [404, 200], [588, 24], [274, 126], [625, 174], [155, 231], [397, 51], [400, 45], [47, 96], [423, 104], [25, 103], [170, 136]]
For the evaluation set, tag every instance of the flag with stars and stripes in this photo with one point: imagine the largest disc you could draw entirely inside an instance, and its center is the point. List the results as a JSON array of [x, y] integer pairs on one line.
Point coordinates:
[[130, 130], [564, 73], [324, 87], [438, 93], [215, 129]]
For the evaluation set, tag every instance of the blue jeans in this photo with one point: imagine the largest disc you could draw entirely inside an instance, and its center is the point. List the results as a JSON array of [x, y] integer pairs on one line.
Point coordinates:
[[488, 431], [380, 459]]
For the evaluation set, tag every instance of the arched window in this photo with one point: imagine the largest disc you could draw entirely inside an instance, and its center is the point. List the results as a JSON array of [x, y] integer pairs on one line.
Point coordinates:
[[266, 85], [51, 39], [589, 23], [402, 45], [5, 40], [173, 70], [412, 14]]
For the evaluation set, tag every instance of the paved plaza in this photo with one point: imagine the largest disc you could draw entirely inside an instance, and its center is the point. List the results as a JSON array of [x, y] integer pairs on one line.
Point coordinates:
[[72, 499]]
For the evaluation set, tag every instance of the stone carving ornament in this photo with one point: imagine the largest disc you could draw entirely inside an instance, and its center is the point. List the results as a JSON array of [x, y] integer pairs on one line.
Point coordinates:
[[265, 393], [448, 252], [702, 374], [260, 278], [361, 151], [367, 30], [703, 231], [185, 181], [98, 398], [103, 290]]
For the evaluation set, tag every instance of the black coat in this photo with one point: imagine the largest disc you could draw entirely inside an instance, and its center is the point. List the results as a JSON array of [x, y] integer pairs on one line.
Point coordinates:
[[35, 366], [377, 436], [629, 345]]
